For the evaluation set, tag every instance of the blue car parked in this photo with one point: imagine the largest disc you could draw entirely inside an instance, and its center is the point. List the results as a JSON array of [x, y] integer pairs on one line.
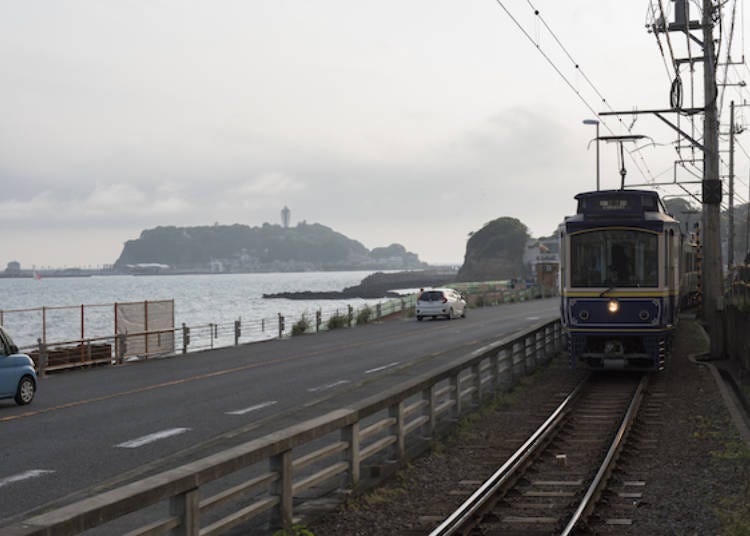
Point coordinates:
[[17, 375]]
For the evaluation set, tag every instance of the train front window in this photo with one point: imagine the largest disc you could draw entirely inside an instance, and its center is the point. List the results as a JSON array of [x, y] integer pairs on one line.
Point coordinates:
[[621, 258]]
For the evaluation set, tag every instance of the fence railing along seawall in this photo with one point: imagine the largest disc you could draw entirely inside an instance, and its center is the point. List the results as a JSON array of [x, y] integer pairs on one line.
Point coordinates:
[[272, 475], [156, 335]]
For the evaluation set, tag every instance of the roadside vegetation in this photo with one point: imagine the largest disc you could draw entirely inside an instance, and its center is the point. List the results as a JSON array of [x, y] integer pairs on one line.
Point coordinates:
[[337, 321], [301, 326], [296, 530], [364, 315]]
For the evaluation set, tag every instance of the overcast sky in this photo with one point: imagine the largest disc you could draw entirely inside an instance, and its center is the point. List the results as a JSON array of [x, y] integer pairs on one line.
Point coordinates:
[[394, 121]]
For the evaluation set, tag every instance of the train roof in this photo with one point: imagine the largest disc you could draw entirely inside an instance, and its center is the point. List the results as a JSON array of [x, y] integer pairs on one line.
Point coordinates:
[[620, 205]]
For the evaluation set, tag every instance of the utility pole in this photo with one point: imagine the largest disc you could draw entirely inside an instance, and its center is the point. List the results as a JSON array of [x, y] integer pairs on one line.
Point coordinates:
[[712, 267], [730, 252]]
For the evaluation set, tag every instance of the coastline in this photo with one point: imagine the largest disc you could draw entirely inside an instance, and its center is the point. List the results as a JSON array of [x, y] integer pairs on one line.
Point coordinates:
[[377, 285]]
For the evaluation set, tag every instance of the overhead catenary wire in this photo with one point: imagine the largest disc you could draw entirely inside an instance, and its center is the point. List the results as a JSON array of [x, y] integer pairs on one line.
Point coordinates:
[[569, 83], [578, 68]]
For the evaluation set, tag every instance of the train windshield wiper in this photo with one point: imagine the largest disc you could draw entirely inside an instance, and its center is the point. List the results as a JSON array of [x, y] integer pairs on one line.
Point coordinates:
[[602, 295]]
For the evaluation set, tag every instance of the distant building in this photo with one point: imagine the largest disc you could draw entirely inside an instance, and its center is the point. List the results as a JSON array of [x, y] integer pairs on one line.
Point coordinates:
[[13, 268], [542, 251], [285, 215]]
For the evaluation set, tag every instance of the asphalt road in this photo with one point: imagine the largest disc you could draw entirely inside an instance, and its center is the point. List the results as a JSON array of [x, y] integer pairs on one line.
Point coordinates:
[[91, 430]]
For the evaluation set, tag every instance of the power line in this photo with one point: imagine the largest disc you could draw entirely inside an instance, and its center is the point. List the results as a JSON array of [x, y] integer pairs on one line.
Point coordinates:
[[569, 83]]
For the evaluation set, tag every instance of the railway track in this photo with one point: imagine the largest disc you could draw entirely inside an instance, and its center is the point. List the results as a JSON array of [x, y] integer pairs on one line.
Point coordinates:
[[551, 484]]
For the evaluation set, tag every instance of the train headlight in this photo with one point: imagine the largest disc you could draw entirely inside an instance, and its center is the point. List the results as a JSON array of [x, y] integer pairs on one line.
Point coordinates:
[[613, 306]]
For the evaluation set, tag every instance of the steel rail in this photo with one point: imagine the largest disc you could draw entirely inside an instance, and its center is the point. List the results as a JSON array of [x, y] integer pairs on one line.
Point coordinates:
[[600, 480], [486, 491]]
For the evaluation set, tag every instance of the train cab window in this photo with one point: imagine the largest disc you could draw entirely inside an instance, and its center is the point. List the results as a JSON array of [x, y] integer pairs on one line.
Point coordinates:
[[622, 258]]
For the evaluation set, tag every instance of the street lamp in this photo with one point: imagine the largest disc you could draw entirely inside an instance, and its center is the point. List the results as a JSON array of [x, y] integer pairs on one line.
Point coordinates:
[[595, 122]]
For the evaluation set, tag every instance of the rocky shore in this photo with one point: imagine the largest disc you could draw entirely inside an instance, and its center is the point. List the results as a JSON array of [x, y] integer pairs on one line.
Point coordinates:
[[377, 285]]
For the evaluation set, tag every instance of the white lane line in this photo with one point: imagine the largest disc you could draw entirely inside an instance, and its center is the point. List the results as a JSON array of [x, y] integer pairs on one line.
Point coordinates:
[[34, 473], [328, 386], [145, 440], [252, 408], [389, 365], [533, 318]]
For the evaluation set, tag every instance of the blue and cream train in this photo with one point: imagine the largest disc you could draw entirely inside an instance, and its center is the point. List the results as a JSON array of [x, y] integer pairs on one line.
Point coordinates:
[[621, 268]]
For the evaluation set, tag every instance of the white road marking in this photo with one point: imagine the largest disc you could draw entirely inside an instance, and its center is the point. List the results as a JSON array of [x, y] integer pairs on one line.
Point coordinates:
[[389, 365], [252, 408], [34, 473], [329, 386], [145, 440], [533, 318]]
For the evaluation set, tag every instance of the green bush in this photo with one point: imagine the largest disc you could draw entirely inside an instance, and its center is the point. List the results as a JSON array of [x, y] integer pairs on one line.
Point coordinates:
[[337, 321], [364, 314], [300, 326]]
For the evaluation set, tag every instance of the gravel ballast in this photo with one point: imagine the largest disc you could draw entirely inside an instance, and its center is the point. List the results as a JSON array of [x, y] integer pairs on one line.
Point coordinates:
[[697, 479]]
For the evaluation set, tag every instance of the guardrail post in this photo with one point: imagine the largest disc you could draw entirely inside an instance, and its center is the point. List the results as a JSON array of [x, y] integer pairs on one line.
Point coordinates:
[[185, 508], [185, 338], [211, 334], [519, 359], [318, 320], [397, 412], [350, 435], [476, 372], [42, 357], [281, 326], [428, 395], [122, 347], [456, 394], [237, 331], [506, 379], [377, 311], [494, 371], [281, 464], [349, 314], [528, 354]]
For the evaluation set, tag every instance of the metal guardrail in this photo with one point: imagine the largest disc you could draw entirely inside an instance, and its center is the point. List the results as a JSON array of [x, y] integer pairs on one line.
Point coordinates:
[[293, 461], [116, 349]]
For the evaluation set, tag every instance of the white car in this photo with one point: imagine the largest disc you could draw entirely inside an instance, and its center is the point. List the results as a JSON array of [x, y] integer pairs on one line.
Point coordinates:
[[439, 302]]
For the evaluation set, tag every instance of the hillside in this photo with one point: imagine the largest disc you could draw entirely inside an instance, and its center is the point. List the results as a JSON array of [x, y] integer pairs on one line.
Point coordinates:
[[495, 251], [240, 248]]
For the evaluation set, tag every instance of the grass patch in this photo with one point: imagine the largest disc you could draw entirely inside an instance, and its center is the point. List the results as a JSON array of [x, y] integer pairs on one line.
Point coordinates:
[[337, 321], [300, 326], [734, 514], [364, 315], [733, 450], [732, 511], [296, 530]]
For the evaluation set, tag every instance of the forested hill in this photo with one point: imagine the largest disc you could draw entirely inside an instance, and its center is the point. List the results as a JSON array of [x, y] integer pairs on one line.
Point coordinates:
[[240, 248]]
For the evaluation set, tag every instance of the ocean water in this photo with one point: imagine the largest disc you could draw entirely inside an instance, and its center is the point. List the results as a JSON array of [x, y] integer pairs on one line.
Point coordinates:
[[199, 300]]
